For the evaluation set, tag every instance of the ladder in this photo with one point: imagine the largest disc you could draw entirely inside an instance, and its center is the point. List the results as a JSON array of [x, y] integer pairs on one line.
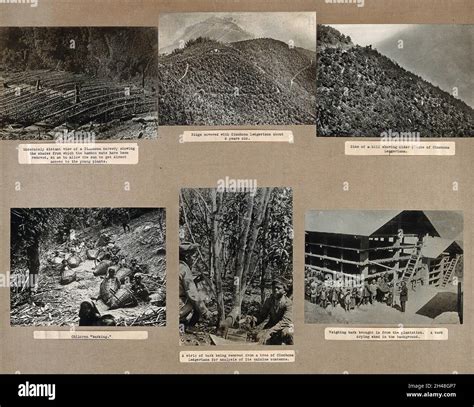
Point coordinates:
[[412, 264], [449, 270]]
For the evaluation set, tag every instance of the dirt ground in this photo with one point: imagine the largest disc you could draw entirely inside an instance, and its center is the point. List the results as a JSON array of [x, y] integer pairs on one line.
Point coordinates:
[[205, 333], [381, 313]]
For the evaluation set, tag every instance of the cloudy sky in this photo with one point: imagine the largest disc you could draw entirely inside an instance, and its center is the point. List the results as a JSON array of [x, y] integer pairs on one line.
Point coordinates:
[[370, 34], [284, 26]]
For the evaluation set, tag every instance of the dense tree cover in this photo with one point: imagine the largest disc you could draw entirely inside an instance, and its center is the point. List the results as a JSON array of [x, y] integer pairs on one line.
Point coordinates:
[[245, 243], [35, 228], [363, 93], [115, 53], [330, 37], [261, 81]]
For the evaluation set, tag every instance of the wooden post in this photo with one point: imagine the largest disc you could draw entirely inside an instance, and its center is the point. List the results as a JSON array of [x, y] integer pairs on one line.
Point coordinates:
[[77, 97], [364, 255], [460, 311], [325, 251], [398, 246], [341, 264]]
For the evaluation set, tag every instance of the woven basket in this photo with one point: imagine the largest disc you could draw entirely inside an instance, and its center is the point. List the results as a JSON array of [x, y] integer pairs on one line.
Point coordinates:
[[102, 267], [108, 288], [57, 260], [67, 277], [74, 261], [91, 254], [123, 298]]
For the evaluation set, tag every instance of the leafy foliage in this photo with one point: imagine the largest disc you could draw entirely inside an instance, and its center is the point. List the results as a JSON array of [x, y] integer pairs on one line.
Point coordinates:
[[268, 256], [44, 226], [363, 93], [246, 82], [115, 53]]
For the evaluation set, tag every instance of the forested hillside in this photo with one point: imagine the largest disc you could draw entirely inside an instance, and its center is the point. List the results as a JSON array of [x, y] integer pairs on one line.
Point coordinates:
[[260, 81], [363, 93], [114, 53], [98, 80]]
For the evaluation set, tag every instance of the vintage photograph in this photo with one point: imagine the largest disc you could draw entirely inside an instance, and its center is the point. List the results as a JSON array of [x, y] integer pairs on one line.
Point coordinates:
[[251, 68], [88, 267], [88, 82], [236, 267], [384, 267], [377, 79]]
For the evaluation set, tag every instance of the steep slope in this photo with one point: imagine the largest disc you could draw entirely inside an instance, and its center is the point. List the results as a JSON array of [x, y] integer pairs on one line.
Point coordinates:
[[363, 93], [58, 305], [249, 82], [442, 54], [282, 63]]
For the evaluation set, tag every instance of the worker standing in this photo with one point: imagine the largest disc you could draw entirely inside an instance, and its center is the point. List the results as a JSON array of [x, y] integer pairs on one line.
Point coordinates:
[[403, 295]]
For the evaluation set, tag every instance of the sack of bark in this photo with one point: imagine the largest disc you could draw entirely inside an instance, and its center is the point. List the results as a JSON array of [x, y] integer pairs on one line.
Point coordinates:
[[123, 273], [114, 249], [57, 260], [91, 254], [123, 298], [74, 261], [104, 239], [101, 255], [108, 288], [102, 267], [67, 277], [158, 299]]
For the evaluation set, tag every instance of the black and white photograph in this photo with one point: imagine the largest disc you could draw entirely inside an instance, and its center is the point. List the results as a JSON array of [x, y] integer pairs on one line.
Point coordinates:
[[384, 267], [88, 267], [402, 79], [237, 68], [78, 83], [236, 267]]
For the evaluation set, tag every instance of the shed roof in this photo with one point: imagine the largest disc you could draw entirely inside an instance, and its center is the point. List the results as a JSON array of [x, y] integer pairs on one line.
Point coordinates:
[[449, 224], [348, 222], [434, 246]]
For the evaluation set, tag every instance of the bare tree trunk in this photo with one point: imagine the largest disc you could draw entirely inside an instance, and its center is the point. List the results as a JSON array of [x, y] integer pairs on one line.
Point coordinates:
[[216, 251], [211, 261], [240, 267], [261, 211], [206, 279], [32, 253], [264, 263]]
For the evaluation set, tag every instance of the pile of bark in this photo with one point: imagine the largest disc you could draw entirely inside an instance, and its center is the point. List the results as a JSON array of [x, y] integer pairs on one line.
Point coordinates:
[[45, 307], [154, 316]]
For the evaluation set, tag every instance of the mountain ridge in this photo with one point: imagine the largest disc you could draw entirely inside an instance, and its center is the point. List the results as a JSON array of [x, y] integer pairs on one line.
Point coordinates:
[[216, 28], [257, 81]]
